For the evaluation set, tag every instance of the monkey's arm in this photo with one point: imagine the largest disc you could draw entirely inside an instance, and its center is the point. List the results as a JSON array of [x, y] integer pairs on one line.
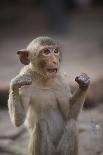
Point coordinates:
[[16, 109], [15, 103], [78, 98]]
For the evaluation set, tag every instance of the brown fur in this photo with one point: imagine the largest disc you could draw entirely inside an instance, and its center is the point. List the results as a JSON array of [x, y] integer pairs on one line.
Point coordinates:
[[44, 102]]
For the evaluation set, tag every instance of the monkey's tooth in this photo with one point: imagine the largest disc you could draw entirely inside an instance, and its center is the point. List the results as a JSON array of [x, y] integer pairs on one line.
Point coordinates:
[[52, 70]]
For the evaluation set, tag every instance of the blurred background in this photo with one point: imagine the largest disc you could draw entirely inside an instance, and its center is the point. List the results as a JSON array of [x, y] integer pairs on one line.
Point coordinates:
[[78, 25]]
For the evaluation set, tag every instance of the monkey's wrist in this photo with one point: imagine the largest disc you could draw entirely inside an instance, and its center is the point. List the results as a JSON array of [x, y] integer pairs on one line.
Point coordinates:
[[14, 87], [83, 87]]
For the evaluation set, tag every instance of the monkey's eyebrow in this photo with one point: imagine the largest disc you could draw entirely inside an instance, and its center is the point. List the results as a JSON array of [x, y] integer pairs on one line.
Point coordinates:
[[47, 47]]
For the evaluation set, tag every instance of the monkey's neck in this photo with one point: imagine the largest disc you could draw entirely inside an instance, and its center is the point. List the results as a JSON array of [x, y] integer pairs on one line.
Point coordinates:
[[42, 81], [39, 77]]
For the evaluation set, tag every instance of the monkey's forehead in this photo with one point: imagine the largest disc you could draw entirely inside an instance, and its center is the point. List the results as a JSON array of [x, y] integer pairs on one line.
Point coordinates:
[[40, 42], [48, 47], [38, 48]]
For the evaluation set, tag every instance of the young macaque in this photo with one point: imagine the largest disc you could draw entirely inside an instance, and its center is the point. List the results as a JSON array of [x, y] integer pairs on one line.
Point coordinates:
[[40, 97]]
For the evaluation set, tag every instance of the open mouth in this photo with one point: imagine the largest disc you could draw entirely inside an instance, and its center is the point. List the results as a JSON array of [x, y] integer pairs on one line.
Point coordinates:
[[52, 70]]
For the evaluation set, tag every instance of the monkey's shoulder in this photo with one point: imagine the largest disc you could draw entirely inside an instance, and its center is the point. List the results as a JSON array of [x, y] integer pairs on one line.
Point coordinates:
[[26, 69]]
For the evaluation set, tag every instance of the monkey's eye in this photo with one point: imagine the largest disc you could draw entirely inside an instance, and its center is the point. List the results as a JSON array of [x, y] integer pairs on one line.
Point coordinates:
[[56, 51], [46, 51]]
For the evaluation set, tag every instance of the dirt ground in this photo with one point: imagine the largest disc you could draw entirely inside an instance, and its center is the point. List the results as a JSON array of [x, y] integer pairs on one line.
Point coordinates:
[[83, 52]]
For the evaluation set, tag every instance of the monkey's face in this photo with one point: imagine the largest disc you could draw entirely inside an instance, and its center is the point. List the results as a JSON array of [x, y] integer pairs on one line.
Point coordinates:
[[49, 61]]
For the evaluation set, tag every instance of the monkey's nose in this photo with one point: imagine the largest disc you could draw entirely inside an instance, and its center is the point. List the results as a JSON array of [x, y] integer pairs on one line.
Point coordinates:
[[55, 62]]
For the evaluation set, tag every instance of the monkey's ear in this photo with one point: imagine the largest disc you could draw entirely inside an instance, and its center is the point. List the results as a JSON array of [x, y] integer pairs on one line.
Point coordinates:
[[23, 56]]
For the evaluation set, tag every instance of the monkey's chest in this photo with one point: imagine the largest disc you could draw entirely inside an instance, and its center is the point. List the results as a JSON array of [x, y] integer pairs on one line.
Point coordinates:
[[45, 107], [43, 101]]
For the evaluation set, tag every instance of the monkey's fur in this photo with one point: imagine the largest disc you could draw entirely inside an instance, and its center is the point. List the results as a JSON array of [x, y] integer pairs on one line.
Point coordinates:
[[40, 97]]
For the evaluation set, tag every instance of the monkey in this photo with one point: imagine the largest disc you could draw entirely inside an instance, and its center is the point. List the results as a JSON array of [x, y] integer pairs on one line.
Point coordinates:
[[40, 98]]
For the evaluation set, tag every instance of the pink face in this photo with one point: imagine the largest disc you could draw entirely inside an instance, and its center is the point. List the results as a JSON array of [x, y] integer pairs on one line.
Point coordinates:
[[49, 60]]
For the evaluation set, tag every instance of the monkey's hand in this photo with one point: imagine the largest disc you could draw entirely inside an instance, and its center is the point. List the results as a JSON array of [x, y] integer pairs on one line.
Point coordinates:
[[83, 80], [21, 80]]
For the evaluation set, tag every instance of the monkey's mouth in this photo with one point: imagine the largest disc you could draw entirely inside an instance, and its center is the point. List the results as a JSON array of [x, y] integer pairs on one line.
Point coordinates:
[[52, 71]]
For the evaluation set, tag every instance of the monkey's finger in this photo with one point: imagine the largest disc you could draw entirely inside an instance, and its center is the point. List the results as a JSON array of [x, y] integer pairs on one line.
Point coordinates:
[[29, 82], [82, 77], [79, 79], [76, 79], [23, 83], [86, 83], [83, 74]]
